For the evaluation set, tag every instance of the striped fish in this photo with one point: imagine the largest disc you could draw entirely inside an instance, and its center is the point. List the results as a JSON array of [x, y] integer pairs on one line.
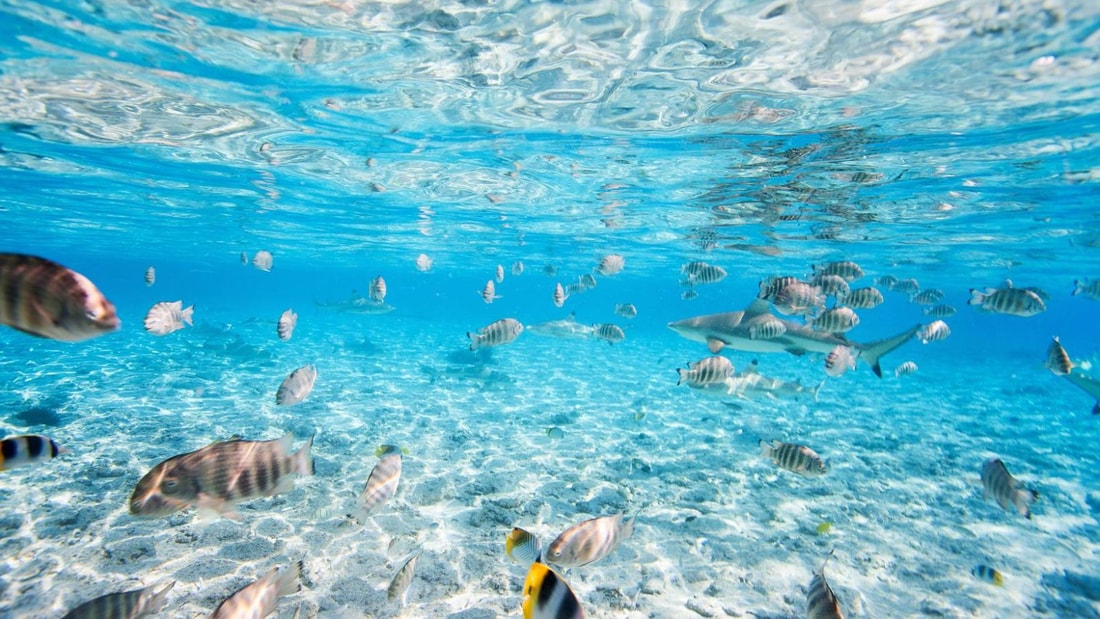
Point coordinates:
[[497, 333], [220, 475], [26, 450], [934, 332], [988, 574], [43, 298], [702, 273], [1058, 359], [905, 369], [611, 264], [836, 320], [793, 457], [940, 311], [846, 269], [1091, 290], [262, 260], [559, 295], [998, 483], [489, 292], [546, 595], [381, 485], [888, 282], [709, 371], [150, 276], [517, 268], [587, 281], [167, 317], [928, 296], [821, 602], [768, 329], [287, 322], [376, 292], [608, 332], [589, 541], [864, 298], [296, 386], [258, 599], [798, 299], [1008, 300], [124, 605], [500, 274], [772, 285], [399, 586], [908, 286], [522, 547], [575, 288], [834, 285], [626, 310]]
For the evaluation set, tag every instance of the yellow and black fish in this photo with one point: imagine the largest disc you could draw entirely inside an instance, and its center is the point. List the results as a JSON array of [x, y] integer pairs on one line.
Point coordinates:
[[522, 546], [43, 298], [988, 574], [27, 449], [546, 595]]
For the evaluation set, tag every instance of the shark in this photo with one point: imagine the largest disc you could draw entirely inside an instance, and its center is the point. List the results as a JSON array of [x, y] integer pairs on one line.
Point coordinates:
[[357, 305], [735, 330], [1087, 384], [566, 328]]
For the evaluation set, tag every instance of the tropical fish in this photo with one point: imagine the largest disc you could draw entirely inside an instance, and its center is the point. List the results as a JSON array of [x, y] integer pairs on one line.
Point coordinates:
[[287, 322], [905, 369], [608, 332], [732, 330], [555, 433], [1058, 359], [220, 475], [296, 386], [708, 371], [500, 274], [559, 295], [423, 263], [998, 483], [381, 485], [908, 286], [846, 269], [166, 317], [1007, 300], [399, 586], [546, 595], [566, 328], [589, 541], [864, 298], [587, 281], [839, 360], [377, 290], [767, 329], [517, 268], [150, 276], [244, 258], [821, 602], [496, 333], [626, 310], [489, 292], [702, 273], [836, 320], [123, 605], [888, 282], [611, 264], [798, 299], [689, 294], [934, 332], [258, 599], [27, 449], [771, 286], [793, 457], [824, 528], [987, 574], [833, 285], [262, 260], [939, 311], [1091, 290], [928, 296], [522, 547], [43, 298]]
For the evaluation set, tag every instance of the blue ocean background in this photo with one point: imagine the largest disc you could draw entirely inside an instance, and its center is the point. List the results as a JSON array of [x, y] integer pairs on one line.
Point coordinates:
[[951, 142]]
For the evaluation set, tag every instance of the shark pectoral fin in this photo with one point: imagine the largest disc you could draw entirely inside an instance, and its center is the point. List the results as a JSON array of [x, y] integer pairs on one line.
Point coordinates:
[[798, 352], [1096, 409], [714, 345]]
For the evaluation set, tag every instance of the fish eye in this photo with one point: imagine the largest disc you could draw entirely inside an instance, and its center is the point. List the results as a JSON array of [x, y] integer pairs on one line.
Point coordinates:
[[170, 485], [91, 314]]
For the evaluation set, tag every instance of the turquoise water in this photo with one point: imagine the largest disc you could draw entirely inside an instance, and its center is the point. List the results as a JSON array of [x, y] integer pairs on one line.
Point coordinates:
[[955, 143]]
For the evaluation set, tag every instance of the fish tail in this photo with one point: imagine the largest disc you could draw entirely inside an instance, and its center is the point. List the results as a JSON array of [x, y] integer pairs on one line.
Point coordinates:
[[157, 601], [1023, 500], [679, 376], [290, 581], [302, 459], [475, 340], [817, 390], [765, 449], [1078, 287], [976, 297], [872, 352], [186, 315]]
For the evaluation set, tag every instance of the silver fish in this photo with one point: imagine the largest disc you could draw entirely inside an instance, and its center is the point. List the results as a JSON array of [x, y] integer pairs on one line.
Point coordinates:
[[626, 310], [934, 332], [836, 320], [939, 311], [834, 285], [611, 264], [497, 333], [377, 290], [262, 260], [767, 329], [1008, 300], [1091, 290], [381, 485], [43, 298], [566, 328], [258, 599], [500, 274], [1058, 359], [608, 332], [589, 541], [793, 457], [150, 276], [559, 295], [423, 263], [27, 449], [287, 322], [798, 299], [702, 273], [123, 605], [864, 298], [771, 286], [489, 292], [906, 286], [399, 586], [587, 281], [846, 269], [708, 371], [166, 317], [517, 268], [839, 360], [998, 483], [522, 547], [887, 281], [928, 296], [906, 368], [296, 386], [821, 602]]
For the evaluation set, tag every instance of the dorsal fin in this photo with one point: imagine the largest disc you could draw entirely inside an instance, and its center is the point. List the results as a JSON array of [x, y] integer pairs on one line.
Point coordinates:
[[757, 307]]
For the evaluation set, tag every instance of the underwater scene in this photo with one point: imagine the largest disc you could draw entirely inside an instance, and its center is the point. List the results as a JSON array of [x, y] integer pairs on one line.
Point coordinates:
[[601, 308]]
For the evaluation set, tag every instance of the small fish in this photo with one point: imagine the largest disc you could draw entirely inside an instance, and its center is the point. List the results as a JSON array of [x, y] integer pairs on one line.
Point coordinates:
[[377, 290], [522, 547], [296, 386], [833, 285], [381, 485], [587, 281], [768, 329], [575, 288], [167, 317], [589, 541], [836, 320], [864, 298], [399, 586], [608, 332], [888, 282], [772, 285], [846, 269], [258, 599], [1007, 300], [555, 433], [839, 360], [40, 297], [821, 602], [220, 475], [423, 263], [517, 268], [500, 274], [987, 574], [150, 276], [611, 264], [546, 595], [287, 322], [928, 296], [497, 333], [702, 273], [939, 311], [626, 310], [262, 260], [244, 258], [998, 483], [824, 528], [489, 292], [793, 457], [934, 332], [906, 368], [709, 371], [908, 286], [27, 449], [549, 270], [1091, 290], [689, 294], [123, 605], [390, 449], [1058, 359], [798, 299]]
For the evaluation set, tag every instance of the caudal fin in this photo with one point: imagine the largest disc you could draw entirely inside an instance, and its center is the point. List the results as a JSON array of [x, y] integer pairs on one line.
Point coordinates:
[[187, 313], [475, 340], [303, 459], [871, 353]]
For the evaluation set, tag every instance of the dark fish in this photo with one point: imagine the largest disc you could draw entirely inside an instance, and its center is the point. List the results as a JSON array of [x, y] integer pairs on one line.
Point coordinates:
[[124, 605], [1058, 359], [399, 586], [25, 450], [43, 298]]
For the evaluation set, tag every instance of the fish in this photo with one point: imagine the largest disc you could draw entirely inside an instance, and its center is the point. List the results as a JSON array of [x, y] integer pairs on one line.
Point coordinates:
[[27, 449], [752, 384], [833, 285], [586, 281], [708, 371], [839, 360], [296, 386], [864, 298], [549, 270], [42, 298], [824, 528], [150, 276], [258, 599], [1007, 300], [689, 294], [608, 332], [702, 273], [167, 317], [836, 320], [124, 604], [489, 292], [906, 368], [377, 290], [244, 257], [262, 260], [934, 331], [1058, 359], [928, 296], [559, 295], [496, 333], [798, 299], [399, 586], [423, 263], [546, 595], [287, 322], [767, 330], [611, 264], [939, 311], [522, 547], [1039, 292], [908, 286], [626, 310], [220, 475], [888, 282], [821, 602], [555, 433], [357, 305], [732, 330], [1089, 385], [999, 484], [500, 274], [381, 485], [771, 286], [845, 269], [567, 328], [589, 541], [517, 268], [987, 574], [793, 457], [1091, 290]]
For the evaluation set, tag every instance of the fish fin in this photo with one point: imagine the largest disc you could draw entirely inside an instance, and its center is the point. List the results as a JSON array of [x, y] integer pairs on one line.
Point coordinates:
[[290, 581], [474, 340], [976, 297], [679, 376], [757, 307], [285, 442], [157, 602], [1096, 408], [303, 459], [871, 353], [798, 352], [187, 315], [210, 508], [817, 390], [714, 345], [1008, 283], [765, 448]]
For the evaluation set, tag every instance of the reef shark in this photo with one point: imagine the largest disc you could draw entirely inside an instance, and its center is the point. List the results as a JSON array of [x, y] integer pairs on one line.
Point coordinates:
[[1087, 384], [734, 330], [567, 328]]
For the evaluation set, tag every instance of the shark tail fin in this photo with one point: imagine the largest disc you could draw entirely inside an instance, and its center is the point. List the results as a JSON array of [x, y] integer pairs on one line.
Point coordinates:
[[871, 353], [817, 390]]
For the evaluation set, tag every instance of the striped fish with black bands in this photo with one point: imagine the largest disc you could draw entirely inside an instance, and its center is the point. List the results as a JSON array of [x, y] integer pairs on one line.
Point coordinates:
[[496, 333], [26, 450], [821, 602], [123, 605], [709, 371], [546, 595], [43, 298], [793, 457], [998, 483]]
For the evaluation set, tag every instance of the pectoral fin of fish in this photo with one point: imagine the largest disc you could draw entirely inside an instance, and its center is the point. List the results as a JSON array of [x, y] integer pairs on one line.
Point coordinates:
[[714, 345]]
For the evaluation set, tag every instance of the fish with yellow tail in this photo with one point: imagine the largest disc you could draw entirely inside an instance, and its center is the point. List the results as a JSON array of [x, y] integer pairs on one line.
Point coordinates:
[[40, 297], [220, 475], [795, 458], [382, 482], [821, 602], [546, 595], [497, 333], [522, 546], [987, 574], [259, 599], [26, 450], [589, 541], [1009, 493], [124, 605]]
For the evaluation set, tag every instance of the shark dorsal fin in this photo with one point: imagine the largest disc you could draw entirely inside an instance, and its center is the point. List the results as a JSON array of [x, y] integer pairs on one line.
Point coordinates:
[[756, 308]]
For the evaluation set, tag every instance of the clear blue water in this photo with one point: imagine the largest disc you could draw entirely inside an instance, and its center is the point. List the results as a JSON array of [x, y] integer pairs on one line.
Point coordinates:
[[951, 142]]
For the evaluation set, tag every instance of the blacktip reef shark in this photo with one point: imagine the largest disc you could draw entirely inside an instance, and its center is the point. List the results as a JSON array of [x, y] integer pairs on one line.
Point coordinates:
[[567, 328], [734, 330], [1087, 384]]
